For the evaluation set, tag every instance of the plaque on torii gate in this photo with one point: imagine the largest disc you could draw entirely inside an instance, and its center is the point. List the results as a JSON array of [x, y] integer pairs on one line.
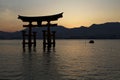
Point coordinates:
[[48, 36]]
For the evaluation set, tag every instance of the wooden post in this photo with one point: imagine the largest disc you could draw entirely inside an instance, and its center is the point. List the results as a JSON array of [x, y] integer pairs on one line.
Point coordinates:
[[23, 34], [29, 34], [44, 39], [34, 36], [48, 36], [53, 32]]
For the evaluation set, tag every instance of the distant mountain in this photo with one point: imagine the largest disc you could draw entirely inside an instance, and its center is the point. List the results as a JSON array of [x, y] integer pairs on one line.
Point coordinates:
[[109, 30], [5, 35]]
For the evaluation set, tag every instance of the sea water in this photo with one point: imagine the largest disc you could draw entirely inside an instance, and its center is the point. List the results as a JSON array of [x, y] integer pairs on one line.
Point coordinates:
[[70, 60]]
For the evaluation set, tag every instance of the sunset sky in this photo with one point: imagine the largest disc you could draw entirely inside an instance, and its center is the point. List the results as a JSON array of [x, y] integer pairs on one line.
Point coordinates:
[[76, 12]]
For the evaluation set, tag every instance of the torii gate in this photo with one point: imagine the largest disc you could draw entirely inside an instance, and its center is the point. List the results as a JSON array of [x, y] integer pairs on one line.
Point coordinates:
[[48, 37]]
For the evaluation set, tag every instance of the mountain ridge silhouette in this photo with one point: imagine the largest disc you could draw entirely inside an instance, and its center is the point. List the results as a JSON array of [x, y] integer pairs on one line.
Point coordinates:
[[109, 30]]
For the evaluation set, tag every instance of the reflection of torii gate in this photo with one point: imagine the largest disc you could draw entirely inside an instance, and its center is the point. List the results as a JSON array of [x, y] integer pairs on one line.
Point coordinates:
[[47, 35]]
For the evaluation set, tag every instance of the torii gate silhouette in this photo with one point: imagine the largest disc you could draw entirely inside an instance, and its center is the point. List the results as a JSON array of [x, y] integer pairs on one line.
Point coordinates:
[[48, 36]]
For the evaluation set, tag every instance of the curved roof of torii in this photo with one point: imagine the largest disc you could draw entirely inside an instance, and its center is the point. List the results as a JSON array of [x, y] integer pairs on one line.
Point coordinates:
[[40, 18]]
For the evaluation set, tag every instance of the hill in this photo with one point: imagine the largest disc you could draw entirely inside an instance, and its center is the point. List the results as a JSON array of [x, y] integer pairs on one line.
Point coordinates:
[[109, 30]]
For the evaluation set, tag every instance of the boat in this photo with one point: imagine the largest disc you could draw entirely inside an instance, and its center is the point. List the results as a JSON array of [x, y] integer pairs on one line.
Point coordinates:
[[91, 41]]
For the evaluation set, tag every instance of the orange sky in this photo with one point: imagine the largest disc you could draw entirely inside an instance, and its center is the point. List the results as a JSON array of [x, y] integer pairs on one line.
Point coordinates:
[[76, 12]]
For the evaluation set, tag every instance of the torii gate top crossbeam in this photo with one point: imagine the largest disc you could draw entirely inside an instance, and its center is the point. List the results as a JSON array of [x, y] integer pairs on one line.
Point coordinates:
[[40, 18]]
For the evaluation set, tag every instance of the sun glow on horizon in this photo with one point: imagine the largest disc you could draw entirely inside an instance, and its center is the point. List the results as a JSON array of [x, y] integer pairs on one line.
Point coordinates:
[[76, 12]]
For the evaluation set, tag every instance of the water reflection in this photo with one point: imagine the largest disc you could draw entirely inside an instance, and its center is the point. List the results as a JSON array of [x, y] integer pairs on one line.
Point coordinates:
[[40, 67], [30, 50], [27, 66]]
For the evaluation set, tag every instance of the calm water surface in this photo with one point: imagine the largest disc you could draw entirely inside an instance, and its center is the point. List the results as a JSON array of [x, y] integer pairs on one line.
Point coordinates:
[[71, 60]]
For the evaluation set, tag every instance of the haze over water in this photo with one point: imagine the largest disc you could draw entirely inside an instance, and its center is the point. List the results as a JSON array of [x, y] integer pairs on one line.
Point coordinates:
[[71, 60]]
